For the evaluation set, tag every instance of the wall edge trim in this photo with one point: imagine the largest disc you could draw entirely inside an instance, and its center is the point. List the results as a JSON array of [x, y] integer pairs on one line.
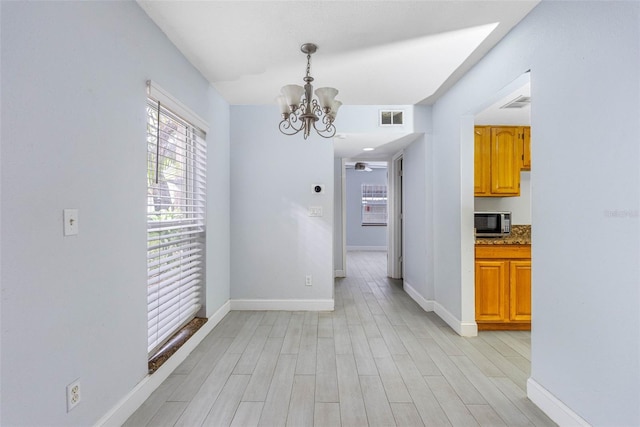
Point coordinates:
[[552, 406], [141, 392], [340, 273]]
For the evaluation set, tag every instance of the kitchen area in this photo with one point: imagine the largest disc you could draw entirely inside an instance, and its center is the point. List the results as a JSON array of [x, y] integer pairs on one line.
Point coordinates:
[[502, 220]]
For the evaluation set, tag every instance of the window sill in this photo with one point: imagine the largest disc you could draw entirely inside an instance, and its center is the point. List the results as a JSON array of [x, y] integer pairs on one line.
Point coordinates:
[[174, 343]]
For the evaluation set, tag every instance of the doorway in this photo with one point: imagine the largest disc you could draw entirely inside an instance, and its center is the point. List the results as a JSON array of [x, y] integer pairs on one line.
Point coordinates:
[[365, 205], [509, 109]]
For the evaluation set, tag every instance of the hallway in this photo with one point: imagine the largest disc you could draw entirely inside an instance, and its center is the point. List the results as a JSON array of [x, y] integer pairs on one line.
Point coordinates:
[[377, 360]]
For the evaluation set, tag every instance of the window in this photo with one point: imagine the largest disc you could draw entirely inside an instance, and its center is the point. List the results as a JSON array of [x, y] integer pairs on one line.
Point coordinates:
[[176, 165], [374, 204]]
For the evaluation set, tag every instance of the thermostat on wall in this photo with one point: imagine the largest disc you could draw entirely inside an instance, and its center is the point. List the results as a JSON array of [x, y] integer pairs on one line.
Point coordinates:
[[318, 188]]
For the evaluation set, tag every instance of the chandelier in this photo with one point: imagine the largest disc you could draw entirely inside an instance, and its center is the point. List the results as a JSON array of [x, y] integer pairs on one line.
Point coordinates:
[[301, 112]]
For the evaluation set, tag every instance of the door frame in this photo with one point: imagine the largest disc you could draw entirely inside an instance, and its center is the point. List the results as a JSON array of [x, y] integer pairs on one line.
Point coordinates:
[[468, 326], [394, 231], [395, 207]]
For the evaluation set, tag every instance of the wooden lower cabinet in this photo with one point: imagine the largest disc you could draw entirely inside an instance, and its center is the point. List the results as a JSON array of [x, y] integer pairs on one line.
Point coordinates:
[[520, 291], [503, 287]]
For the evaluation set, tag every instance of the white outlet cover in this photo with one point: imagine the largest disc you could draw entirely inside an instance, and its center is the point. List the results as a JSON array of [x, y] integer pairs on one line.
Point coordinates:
[[73, 395]]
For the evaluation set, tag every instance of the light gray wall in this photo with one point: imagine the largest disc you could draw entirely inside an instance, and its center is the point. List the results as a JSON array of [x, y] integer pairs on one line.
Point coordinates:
[[586, 326], [418, 241], [357, 234], [520, 206], [418, 187], [218, 203], [73, 136], [274, 243]]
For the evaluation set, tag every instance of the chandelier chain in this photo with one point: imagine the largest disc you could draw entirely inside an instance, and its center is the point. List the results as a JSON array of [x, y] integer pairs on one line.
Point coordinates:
[[308, 65]]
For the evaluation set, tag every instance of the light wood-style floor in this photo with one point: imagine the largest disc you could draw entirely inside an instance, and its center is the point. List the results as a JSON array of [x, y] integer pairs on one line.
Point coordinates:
[[377, 360]]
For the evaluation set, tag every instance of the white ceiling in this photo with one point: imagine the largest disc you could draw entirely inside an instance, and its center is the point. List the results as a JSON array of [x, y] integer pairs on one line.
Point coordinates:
[[351, 145], [496, 115], [375, 52]]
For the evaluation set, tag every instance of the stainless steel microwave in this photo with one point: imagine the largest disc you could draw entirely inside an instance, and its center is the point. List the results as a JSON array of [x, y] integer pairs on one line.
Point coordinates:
[[492, 224]]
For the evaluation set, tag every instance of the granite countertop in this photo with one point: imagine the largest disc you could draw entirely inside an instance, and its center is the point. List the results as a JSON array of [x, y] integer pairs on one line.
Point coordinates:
[[520, 235]]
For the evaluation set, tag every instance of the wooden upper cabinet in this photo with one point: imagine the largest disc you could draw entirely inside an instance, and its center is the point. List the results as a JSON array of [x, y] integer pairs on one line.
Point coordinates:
[[482, 160], [500, 153], [505, 161], [526, 148]]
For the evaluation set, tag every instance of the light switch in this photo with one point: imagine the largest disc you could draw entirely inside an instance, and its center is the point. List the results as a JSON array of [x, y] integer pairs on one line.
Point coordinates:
[[70, 218], [315, 210]]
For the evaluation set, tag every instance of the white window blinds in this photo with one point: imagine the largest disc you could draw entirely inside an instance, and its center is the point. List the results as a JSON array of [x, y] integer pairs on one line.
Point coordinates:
[[374, 204], [176, 165]]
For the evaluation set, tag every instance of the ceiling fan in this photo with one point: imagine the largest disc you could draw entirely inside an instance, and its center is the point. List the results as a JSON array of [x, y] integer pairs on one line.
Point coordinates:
[[361, 166]]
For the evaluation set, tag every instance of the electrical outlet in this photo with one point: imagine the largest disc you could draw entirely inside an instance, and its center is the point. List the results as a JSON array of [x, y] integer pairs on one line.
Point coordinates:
[[308, 281], [73, 394]]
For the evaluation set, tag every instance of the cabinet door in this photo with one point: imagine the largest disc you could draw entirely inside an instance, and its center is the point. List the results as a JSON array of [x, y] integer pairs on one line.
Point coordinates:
[[482, 161], [505, 161], [491, 292], [526, 148], [520, 291]]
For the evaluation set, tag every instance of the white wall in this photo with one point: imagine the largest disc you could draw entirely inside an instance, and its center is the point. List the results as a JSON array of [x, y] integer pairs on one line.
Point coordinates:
[[584, 59], [359, 235], [218, 203], [417, 258], [520, 206], [274, 243], [73, 136]]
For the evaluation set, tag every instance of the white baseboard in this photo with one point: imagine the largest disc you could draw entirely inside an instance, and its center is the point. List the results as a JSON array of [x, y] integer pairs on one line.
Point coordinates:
[[427, 305], [367, 248], [283, 304], [141, 392], [340, 273], [560, 413], [465, 329]]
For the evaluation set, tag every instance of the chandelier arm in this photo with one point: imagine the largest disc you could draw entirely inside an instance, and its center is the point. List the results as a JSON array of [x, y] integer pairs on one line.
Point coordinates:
[[315, 109], [328, 132], [287, 129], [291, 125]]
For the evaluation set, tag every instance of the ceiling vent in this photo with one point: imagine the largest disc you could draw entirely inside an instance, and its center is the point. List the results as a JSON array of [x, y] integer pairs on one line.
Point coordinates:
[[391, 117], [520, 102]]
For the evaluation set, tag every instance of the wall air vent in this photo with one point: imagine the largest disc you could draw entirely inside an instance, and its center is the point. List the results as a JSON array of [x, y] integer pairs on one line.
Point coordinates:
[[519, 102], [391, 117]]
